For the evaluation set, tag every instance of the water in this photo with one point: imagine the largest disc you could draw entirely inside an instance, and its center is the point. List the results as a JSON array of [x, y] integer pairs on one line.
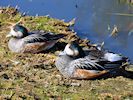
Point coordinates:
[[94, 20]]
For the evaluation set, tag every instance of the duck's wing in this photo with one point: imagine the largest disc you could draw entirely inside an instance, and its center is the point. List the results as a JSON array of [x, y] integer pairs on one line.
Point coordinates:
[[42, 37], [113, 60], [86, 69], [106, 58], [86, 63], [38, 32], [113, 57], [110, 61]]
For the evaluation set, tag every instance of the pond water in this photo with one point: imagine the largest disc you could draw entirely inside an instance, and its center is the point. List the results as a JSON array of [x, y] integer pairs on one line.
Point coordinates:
[[94, 20]]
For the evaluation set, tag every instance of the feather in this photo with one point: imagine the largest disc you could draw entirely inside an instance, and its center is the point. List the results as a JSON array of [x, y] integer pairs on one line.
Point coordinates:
[[42, 37], [86, 64]]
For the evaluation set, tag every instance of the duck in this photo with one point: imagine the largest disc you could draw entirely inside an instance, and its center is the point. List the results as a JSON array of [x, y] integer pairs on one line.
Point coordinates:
[[76, 63], [22, 41]]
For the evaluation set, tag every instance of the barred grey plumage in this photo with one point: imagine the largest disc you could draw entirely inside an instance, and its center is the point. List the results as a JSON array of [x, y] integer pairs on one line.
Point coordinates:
[[33, 42], [70, 65]]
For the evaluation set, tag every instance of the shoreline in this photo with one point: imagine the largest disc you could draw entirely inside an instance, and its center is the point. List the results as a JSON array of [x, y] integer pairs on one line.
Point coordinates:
[[34, 76]]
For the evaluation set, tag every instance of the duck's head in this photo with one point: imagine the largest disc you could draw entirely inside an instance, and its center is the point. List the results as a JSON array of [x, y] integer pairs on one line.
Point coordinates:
[[74, 50], [18, 31]]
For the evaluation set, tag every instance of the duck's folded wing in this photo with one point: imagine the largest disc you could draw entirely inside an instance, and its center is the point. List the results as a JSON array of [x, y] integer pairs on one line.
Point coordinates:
[[42, 37], [107, 63], [38, 31], [86, 63], [87, 69]]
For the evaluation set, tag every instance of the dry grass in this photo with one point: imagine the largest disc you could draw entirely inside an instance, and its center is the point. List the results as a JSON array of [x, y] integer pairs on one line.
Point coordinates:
[[34, 76]]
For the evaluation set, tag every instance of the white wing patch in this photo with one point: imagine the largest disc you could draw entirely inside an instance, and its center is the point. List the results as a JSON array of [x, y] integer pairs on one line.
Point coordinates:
[[112, 57]]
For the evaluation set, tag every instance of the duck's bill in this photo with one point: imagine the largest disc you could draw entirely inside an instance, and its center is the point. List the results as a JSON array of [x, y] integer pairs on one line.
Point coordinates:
[[62, 53], [9, 35]]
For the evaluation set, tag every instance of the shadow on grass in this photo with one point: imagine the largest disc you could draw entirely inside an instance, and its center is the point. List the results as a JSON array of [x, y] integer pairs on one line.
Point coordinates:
[[116, 73], [59, 46], [127, 74]]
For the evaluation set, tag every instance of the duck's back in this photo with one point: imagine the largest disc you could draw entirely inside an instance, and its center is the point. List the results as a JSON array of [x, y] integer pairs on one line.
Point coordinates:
[[34, 43]]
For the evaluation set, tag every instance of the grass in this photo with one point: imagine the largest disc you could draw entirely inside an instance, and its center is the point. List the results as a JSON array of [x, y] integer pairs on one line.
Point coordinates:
[[34, 76], [126, 1]]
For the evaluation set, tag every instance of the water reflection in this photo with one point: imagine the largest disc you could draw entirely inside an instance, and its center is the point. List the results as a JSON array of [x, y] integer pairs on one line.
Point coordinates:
[[94, 20]]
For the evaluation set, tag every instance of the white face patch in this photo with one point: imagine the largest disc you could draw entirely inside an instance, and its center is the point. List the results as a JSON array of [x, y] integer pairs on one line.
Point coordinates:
[[71, 52], [12, 32], [15, 34], [68, 50], [76, 52], [19, 34]]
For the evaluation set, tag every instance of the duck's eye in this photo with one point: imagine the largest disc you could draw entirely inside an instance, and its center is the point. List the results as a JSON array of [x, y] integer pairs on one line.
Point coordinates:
[[15, 29]]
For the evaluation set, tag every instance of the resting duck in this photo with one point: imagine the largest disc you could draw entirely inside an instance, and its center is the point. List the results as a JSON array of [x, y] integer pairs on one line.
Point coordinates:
[[36, 41], [75, 63]]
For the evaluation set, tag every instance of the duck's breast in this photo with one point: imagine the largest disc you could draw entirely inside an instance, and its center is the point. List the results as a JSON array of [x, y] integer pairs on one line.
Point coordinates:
[[16, 45], [63, 65]]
